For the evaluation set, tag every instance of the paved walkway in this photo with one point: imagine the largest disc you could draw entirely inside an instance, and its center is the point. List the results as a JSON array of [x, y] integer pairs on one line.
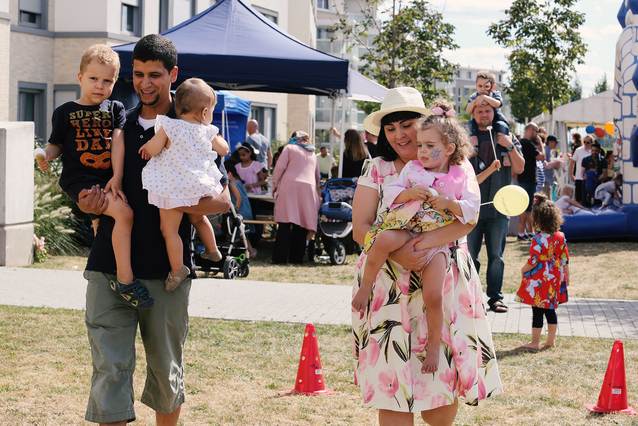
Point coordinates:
[[321, 304]]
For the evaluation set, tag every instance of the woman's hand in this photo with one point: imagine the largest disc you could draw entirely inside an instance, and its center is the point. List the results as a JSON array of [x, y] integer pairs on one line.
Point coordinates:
[[409, 256]]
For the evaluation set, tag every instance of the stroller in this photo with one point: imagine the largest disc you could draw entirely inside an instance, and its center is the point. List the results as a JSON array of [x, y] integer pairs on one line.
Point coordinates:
[[334, 231], [231, 241]]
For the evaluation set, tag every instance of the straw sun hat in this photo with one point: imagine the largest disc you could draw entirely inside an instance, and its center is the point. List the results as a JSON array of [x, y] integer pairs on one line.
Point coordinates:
[[396, 99]]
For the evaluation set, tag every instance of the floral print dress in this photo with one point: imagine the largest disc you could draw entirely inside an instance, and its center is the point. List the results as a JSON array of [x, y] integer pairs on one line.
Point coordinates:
[[545, 285], [389, 341]]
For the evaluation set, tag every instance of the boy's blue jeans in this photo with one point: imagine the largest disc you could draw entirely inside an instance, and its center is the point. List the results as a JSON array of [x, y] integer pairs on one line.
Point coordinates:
[[495, 231]]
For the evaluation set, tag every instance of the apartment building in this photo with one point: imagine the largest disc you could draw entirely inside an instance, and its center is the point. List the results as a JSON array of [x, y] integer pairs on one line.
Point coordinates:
[[41, 42], [328, 110], [463, 84]]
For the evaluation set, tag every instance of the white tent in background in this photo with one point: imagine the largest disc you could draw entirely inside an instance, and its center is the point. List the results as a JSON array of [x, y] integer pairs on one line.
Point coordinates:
[[360, 88], [596, 110]]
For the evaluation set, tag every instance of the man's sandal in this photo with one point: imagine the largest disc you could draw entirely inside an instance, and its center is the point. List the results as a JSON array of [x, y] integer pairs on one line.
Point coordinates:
[[498, 307], [135, 294]]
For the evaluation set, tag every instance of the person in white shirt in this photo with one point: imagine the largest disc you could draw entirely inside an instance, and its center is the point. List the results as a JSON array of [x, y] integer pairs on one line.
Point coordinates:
[[609, 192], [576, 167], [326, 162], [567, 205]]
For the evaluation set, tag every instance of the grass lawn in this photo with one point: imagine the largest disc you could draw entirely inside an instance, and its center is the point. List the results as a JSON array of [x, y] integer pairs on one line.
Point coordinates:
[[599, 270], [235, 372]]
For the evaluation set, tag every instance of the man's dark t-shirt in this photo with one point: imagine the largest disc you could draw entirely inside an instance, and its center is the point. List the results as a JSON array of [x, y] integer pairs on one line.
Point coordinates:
[[529, 155], [84, 133], [596, 162], [148, 250], [496, 180]]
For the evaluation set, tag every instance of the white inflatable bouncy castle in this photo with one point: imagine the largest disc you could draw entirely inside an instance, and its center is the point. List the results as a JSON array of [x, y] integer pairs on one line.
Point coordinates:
[[626, 98], [623, 223]]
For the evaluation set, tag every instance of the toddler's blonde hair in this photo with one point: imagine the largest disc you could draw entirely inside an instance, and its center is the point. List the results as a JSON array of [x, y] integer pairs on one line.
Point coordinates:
[[193, 95], [102, 54], [450, 129]]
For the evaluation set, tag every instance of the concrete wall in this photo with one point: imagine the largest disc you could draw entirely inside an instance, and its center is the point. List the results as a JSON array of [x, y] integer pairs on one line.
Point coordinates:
[[85, 15], [5, 37], [67, 55], [302, 25], [16, 193]]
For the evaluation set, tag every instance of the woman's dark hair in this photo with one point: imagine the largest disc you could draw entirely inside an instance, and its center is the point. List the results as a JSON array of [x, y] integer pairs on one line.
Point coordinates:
[[230, 169], [545, 215], [384, 149], [155, 47]]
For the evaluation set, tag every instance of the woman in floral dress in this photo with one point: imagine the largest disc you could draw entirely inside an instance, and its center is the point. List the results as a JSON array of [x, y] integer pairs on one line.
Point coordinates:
[[391, 336]]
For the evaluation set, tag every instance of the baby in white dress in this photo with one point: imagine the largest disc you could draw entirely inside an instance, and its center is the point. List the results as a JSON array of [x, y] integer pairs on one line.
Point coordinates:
[[182, 170]]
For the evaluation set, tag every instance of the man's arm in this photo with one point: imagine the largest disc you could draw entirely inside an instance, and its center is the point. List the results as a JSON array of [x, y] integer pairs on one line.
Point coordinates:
[[210, 205], [269, 156], [516, 158]]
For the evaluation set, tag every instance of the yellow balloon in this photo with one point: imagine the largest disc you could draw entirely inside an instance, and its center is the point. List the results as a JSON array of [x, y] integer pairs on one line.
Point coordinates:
[[511, 200], [610, 128]]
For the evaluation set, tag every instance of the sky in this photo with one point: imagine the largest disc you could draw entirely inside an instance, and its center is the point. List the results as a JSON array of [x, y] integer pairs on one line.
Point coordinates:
[[472, 18]]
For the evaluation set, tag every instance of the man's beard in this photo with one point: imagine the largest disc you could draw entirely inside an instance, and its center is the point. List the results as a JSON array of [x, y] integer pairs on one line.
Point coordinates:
[[151, 103]]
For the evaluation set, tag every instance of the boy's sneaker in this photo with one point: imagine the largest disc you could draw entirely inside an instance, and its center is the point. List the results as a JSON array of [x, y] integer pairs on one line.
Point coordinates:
[[135, 294], [174, 280]]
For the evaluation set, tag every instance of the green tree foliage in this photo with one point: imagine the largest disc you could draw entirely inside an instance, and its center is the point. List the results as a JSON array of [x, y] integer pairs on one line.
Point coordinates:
[[602, 85], [407, 51], [576, 91], [546, 47]]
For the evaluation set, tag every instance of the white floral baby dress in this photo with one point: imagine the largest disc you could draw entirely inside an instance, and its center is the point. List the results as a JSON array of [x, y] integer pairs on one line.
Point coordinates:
[[185, 170]]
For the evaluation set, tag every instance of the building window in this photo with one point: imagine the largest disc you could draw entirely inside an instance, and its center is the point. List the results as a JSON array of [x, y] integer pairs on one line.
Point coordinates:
[[266, 116], [323, 4], [63, 93], [271, 15], [323, 33], [32, 13], [469, 75], [32, 106], [131, 18]]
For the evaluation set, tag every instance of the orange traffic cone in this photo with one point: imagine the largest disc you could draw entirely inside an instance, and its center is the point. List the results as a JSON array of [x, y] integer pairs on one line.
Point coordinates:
[[613, 394], [309, 375]]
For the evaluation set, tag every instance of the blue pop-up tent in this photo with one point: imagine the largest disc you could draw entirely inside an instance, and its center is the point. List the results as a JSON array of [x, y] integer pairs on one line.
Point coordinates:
[[231, 46], [231, 116]]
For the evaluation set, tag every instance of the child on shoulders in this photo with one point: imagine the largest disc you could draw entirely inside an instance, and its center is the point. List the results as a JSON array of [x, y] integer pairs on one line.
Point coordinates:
[[486, 92]]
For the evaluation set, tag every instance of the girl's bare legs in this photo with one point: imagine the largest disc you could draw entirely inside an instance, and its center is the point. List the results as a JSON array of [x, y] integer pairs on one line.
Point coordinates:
[[385, 243], [395, 418], [432, 278], [170, 220], [535, 344], [441, 416], [121, 236], [206, 235], [551, 336]]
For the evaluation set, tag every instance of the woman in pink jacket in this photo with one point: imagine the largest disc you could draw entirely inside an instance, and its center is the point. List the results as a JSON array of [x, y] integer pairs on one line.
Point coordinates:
[[296, 190]]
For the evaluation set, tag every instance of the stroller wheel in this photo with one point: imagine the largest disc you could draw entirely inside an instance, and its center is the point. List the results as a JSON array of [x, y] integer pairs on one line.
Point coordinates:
[[231, 268], [244, 270], [337, 253]]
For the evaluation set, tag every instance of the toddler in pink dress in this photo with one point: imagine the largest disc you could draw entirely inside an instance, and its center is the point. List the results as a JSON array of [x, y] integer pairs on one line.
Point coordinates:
[[429, 193], [181, 171]]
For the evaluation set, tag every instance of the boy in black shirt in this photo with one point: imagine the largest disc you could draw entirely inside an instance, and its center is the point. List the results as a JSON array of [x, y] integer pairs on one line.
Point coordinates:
[[88, 135]]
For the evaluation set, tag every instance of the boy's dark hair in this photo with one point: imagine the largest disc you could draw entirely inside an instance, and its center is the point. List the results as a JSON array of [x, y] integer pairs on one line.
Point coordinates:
[[552, 138], [545, 215], [155, 47], [486, 75]]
